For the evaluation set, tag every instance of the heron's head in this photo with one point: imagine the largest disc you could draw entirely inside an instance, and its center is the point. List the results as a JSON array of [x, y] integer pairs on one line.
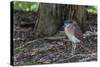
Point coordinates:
[[66, 22]]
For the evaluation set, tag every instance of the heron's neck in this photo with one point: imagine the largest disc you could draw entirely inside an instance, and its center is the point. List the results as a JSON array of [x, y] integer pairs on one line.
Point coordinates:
[[66, 25]]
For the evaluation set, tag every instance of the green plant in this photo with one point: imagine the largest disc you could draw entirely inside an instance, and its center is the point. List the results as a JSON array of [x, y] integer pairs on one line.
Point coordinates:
[[26, 6], [92, 9]]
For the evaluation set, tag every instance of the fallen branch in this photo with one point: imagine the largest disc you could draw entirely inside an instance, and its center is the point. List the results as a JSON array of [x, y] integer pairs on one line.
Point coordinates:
[[50, 38], [27, 43], [88, 56], [83, 55], [85, 59], [18, 39], [55, 38]]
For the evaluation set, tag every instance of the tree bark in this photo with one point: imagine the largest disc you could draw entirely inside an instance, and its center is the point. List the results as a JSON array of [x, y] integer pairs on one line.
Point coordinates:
[[49, 19], [77, 13]]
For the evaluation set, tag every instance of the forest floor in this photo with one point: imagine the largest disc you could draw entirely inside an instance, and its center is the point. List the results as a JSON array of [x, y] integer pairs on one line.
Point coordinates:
[[29, 50]]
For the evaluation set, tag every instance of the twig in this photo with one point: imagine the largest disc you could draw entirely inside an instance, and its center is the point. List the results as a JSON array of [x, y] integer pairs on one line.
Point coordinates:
[[83, 55], [90, 57], [55, 38], [85, 59], [51, 38], [18, 38], [28, 43], [86, 55]]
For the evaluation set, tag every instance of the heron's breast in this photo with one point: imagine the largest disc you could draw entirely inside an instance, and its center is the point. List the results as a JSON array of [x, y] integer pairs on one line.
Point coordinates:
[[71, 36]]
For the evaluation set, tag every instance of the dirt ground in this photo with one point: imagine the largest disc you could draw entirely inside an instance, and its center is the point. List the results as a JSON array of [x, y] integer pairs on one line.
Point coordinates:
[[29, 50]]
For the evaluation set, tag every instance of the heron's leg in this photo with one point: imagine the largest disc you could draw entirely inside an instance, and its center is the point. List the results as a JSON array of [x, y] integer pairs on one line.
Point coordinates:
[[73, 48]]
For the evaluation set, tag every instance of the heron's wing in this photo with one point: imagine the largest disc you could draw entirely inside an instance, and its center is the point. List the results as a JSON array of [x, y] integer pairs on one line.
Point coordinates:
[[77, 32]]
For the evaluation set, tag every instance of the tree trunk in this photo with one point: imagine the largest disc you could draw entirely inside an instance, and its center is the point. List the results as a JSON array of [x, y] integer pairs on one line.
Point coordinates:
[[49, 19], [77, 13], [51, 16]]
